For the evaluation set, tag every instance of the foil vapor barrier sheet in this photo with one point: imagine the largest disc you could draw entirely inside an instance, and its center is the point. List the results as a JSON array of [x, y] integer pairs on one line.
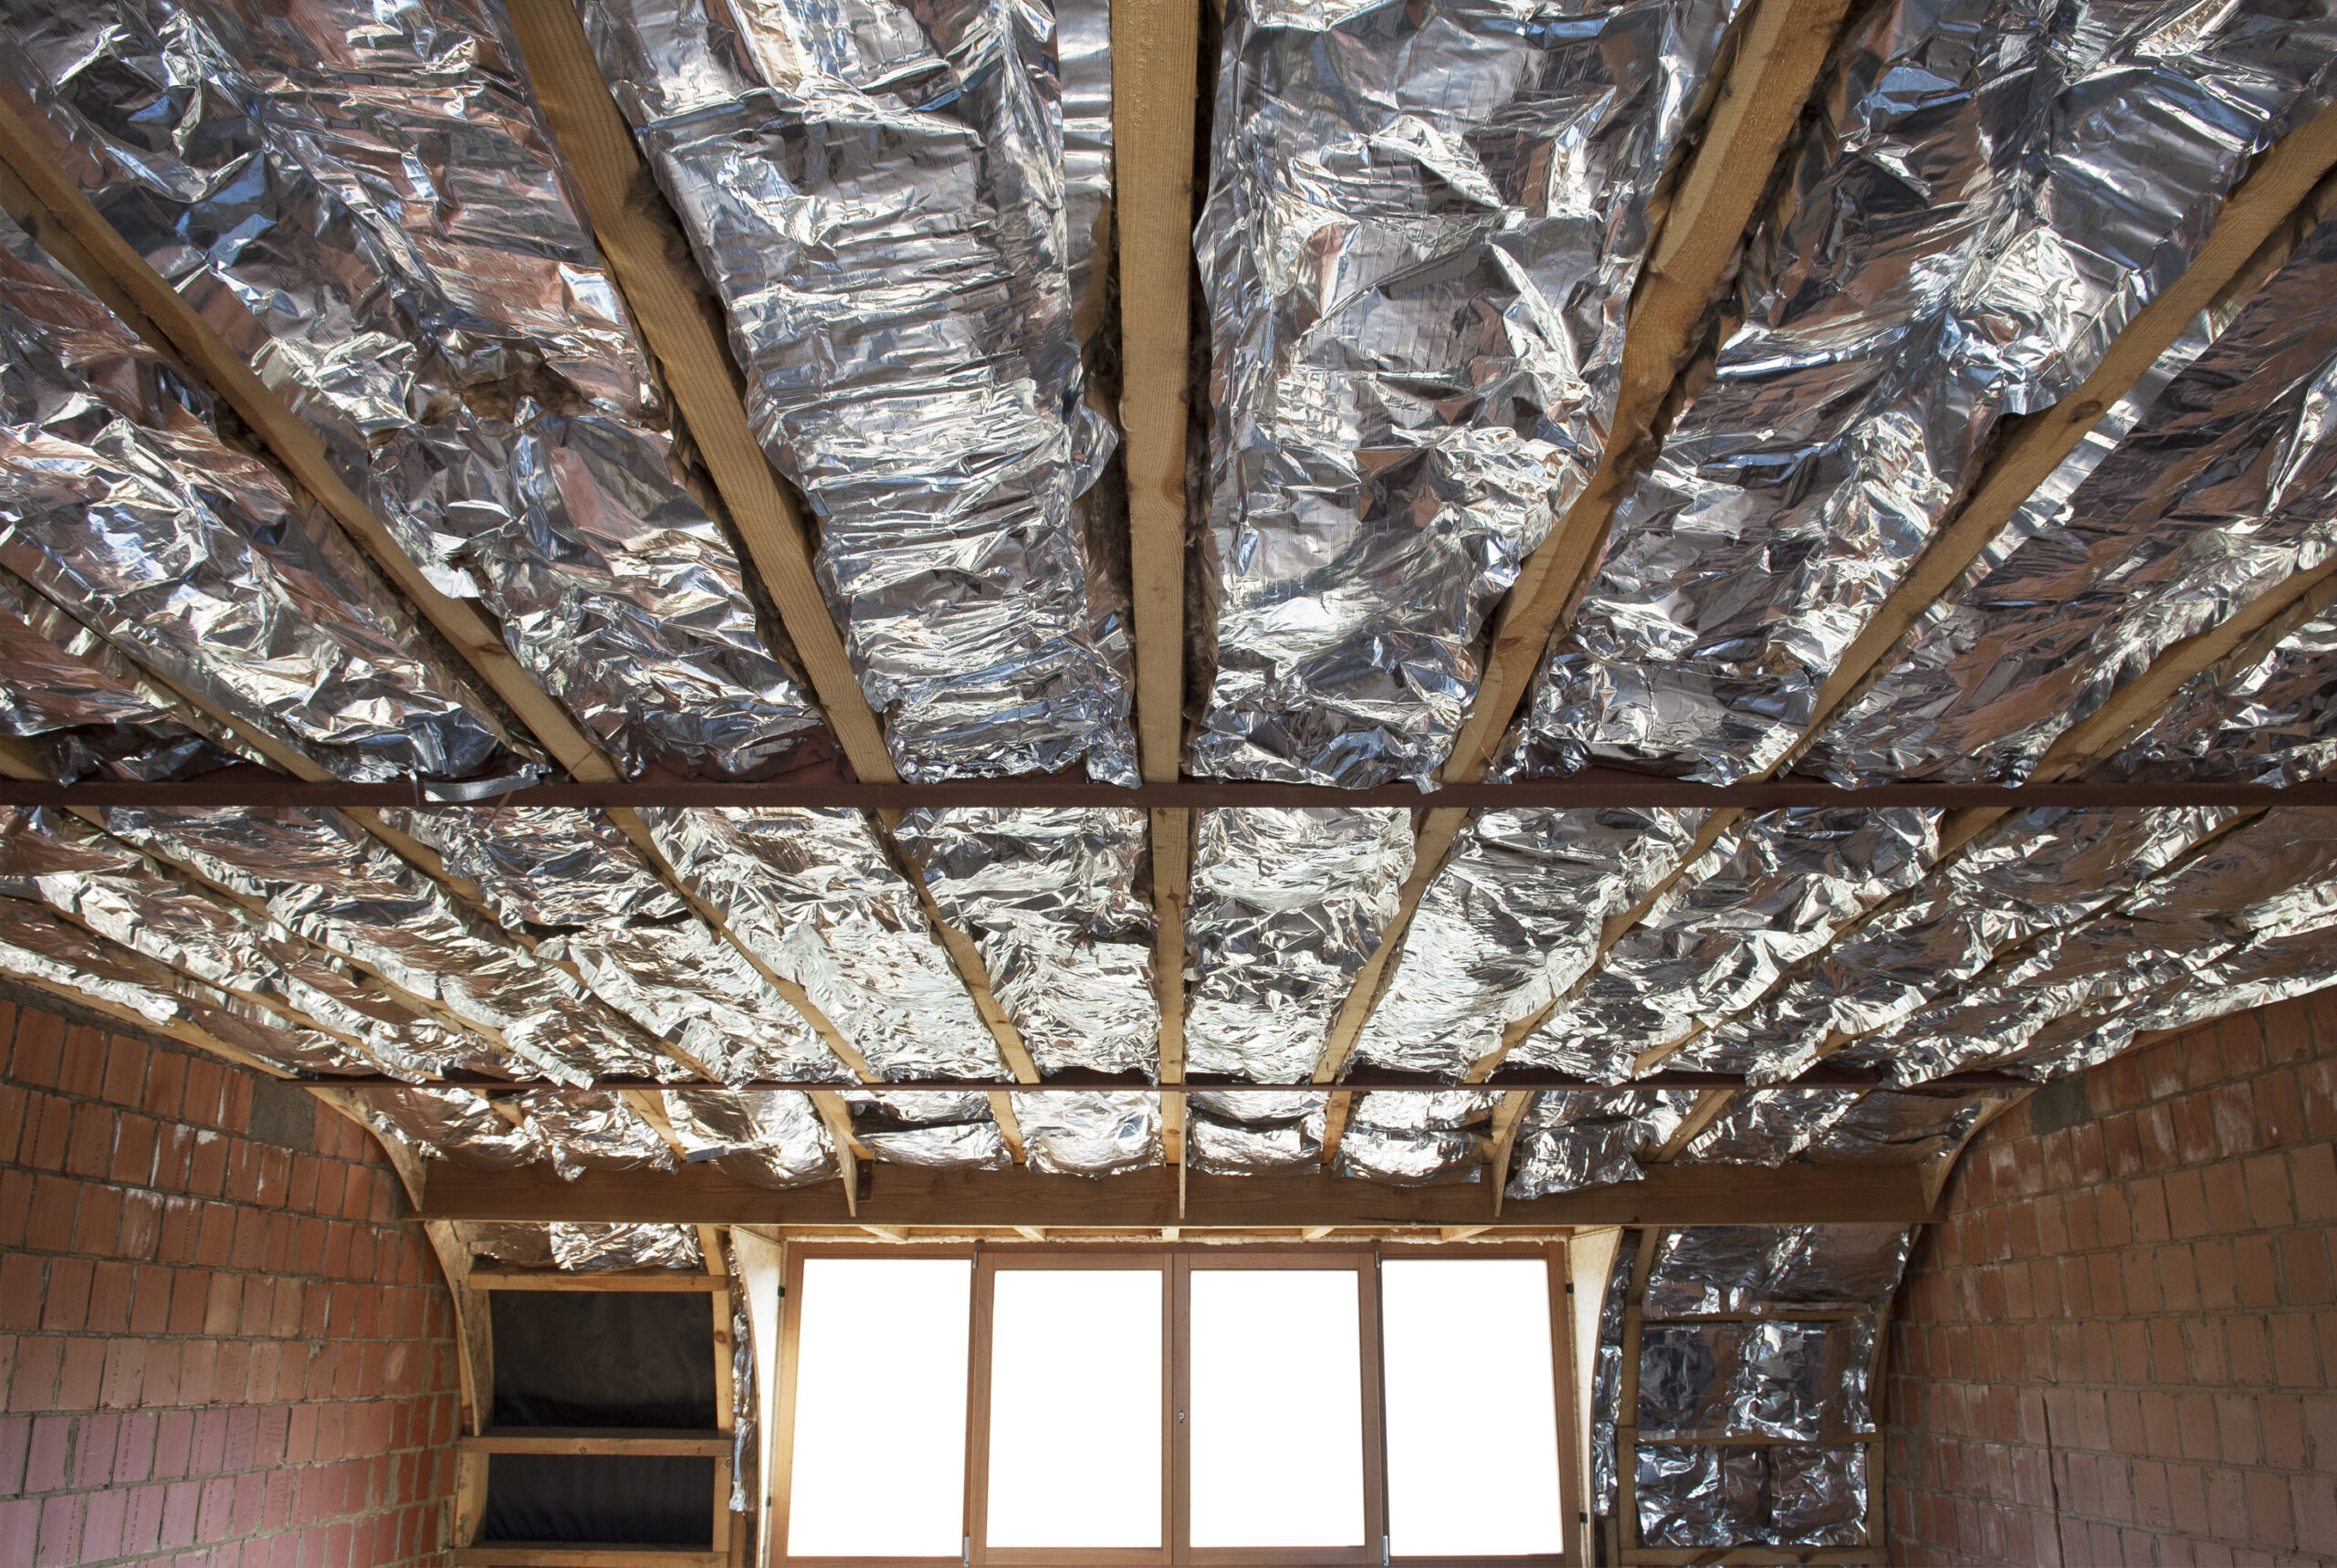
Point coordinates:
[[453, 1124], [1776, 1270], [1989, 192], [2169, 520], [2256, 719], [587, 1248], [1050, 897], [1510, 923], [813, 896], [322, 877], [1766, 1127], [1096, 1134], [368, 206], [121, 502], [571, 877], [1773, 889], [1238, 1132], [1774, 1379], [121, 895], [1607, 1372], [1719, 1494], [878, 194], [1421, 233], [1899, 1127], [1288, 903], [773, 1137], [746, 1413], [593, 1132], [1571, 1140], [944, 1132], [1417, 1139]]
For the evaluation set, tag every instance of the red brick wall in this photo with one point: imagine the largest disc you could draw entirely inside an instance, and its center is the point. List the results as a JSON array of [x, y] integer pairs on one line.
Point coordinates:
[[2119, 1347], [215, 1349]]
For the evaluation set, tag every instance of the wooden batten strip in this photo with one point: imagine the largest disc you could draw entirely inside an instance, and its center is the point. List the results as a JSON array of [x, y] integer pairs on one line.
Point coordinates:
[[644, 247], [632, 1443], [1172, 880]]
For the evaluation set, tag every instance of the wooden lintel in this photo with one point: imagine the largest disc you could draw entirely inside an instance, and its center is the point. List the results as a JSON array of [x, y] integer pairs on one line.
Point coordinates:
[[663, 1281], [557, 1554], [904, 1196], [644, 1442]]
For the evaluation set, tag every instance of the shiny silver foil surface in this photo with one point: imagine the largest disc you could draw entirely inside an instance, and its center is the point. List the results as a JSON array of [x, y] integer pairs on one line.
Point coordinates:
[[1607, 1372], [811, 894], [454, 1124], [2171, 516], [367, 204], [1776, 1270], [1421, 233], [1510, 923], [1718, 1495], [1571, 1140], [2266, 720], [1774, 889], [1287, 904], [878, 194], [1245, 1131], [1095, 1135], [1990, 190], [1898, 1128], [1416, 1139], [593, 1132], [945, 1132], [774, 1137], [585, 1248], [1050, 897], [322, 877], [119, 501], [571, 876], [1766, 1127]]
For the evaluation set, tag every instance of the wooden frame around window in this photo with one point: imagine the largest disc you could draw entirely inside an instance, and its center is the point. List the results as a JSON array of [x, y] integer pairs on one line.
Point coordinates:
[[1177, 1261]]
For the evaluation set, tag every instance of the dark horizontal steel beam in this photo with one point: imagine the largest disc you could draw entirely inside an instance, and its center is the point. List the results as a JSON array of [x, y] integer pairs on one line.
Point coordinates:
[[248, 786], [1818, 1078]]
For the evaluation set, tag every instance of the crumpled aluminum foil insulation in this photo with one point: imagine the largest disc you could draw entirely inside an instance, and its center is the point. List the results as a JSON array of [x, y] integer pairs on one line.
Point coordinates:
[[1607, 1373], [456, 1125], [1990, 191], [1774, 889], [119, 501], [1236, 1131], [1417, 1139], [1774, 1270], [1421, 233], [1898, 1128], [2270, 719], [1050, 897], [1510, 923], [942, 1132], [1766, 1127], [1287, 904], [588, 1249], [1718, 1495], [811, 893], [878, 194], [572, 877], [1776, 1379], [385, 229], [593, 1132], [322, 876], [2204, 487], [1096, 1134], [1568, 1140], [530, 1246], [773, 1137]]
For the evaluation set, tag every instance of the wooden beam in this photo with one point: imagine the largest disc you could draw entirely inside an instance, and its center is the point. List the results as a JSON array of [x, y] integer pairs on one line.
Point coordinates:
[[1156, 50], [901, 1197], [474, 1336], [559, 1555], [639, 1443], [1781, 47], [1172, 885], [663, 1281], [646, 252], [1508, 1116]]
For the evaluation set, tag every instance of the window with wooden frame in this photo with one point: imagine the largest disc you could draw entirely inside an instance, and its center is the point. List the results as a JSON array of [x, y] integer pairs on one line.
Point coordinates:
[[1034, 1405]]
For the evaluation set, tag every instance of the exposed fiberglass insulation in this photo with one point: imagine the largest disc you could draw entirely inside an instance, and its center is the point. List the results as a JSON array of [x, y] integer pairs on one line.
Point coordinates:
[[1801, 1383], [1989, 192], [366, 205], [771, 1137], [1096, 1134], [1417, 1139], [570, 878], [119, 501], [322, 877], [2173, 516], [1050, 897], [1421, 233], [879, 195], [811, 893], [1237, 1132], [1509, 924], [1774, 888], [2256, 718], [1567, 1141], [945, 1132], [1287, 904]]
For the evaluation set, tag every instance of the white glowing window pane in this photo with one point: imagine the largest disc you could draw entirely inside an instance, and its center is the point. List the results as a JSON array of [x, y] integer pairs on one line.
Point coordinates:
[[1074, 1407], [883, 1349], [1473, 1424], [1276, 1408]]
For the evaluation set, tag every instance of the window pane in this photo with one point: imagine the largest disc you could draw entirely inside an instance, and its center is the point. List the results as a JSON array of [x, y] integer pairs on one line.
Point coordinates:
[[1074, 1407], [1277, 1408], [1472, 1425], [883, 1350]]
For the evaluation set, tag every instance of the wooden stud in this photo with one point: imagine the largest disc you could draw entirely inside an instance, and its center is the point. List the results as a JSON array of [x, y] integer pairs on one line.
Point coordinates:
[[474, 1339], [1507, 1117]]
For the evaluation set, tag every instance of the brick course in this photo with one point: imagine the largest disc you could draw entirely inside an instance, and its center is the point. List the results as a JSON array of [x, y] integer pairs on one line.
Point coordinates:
[[2118, 1348], [213, 1349]]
